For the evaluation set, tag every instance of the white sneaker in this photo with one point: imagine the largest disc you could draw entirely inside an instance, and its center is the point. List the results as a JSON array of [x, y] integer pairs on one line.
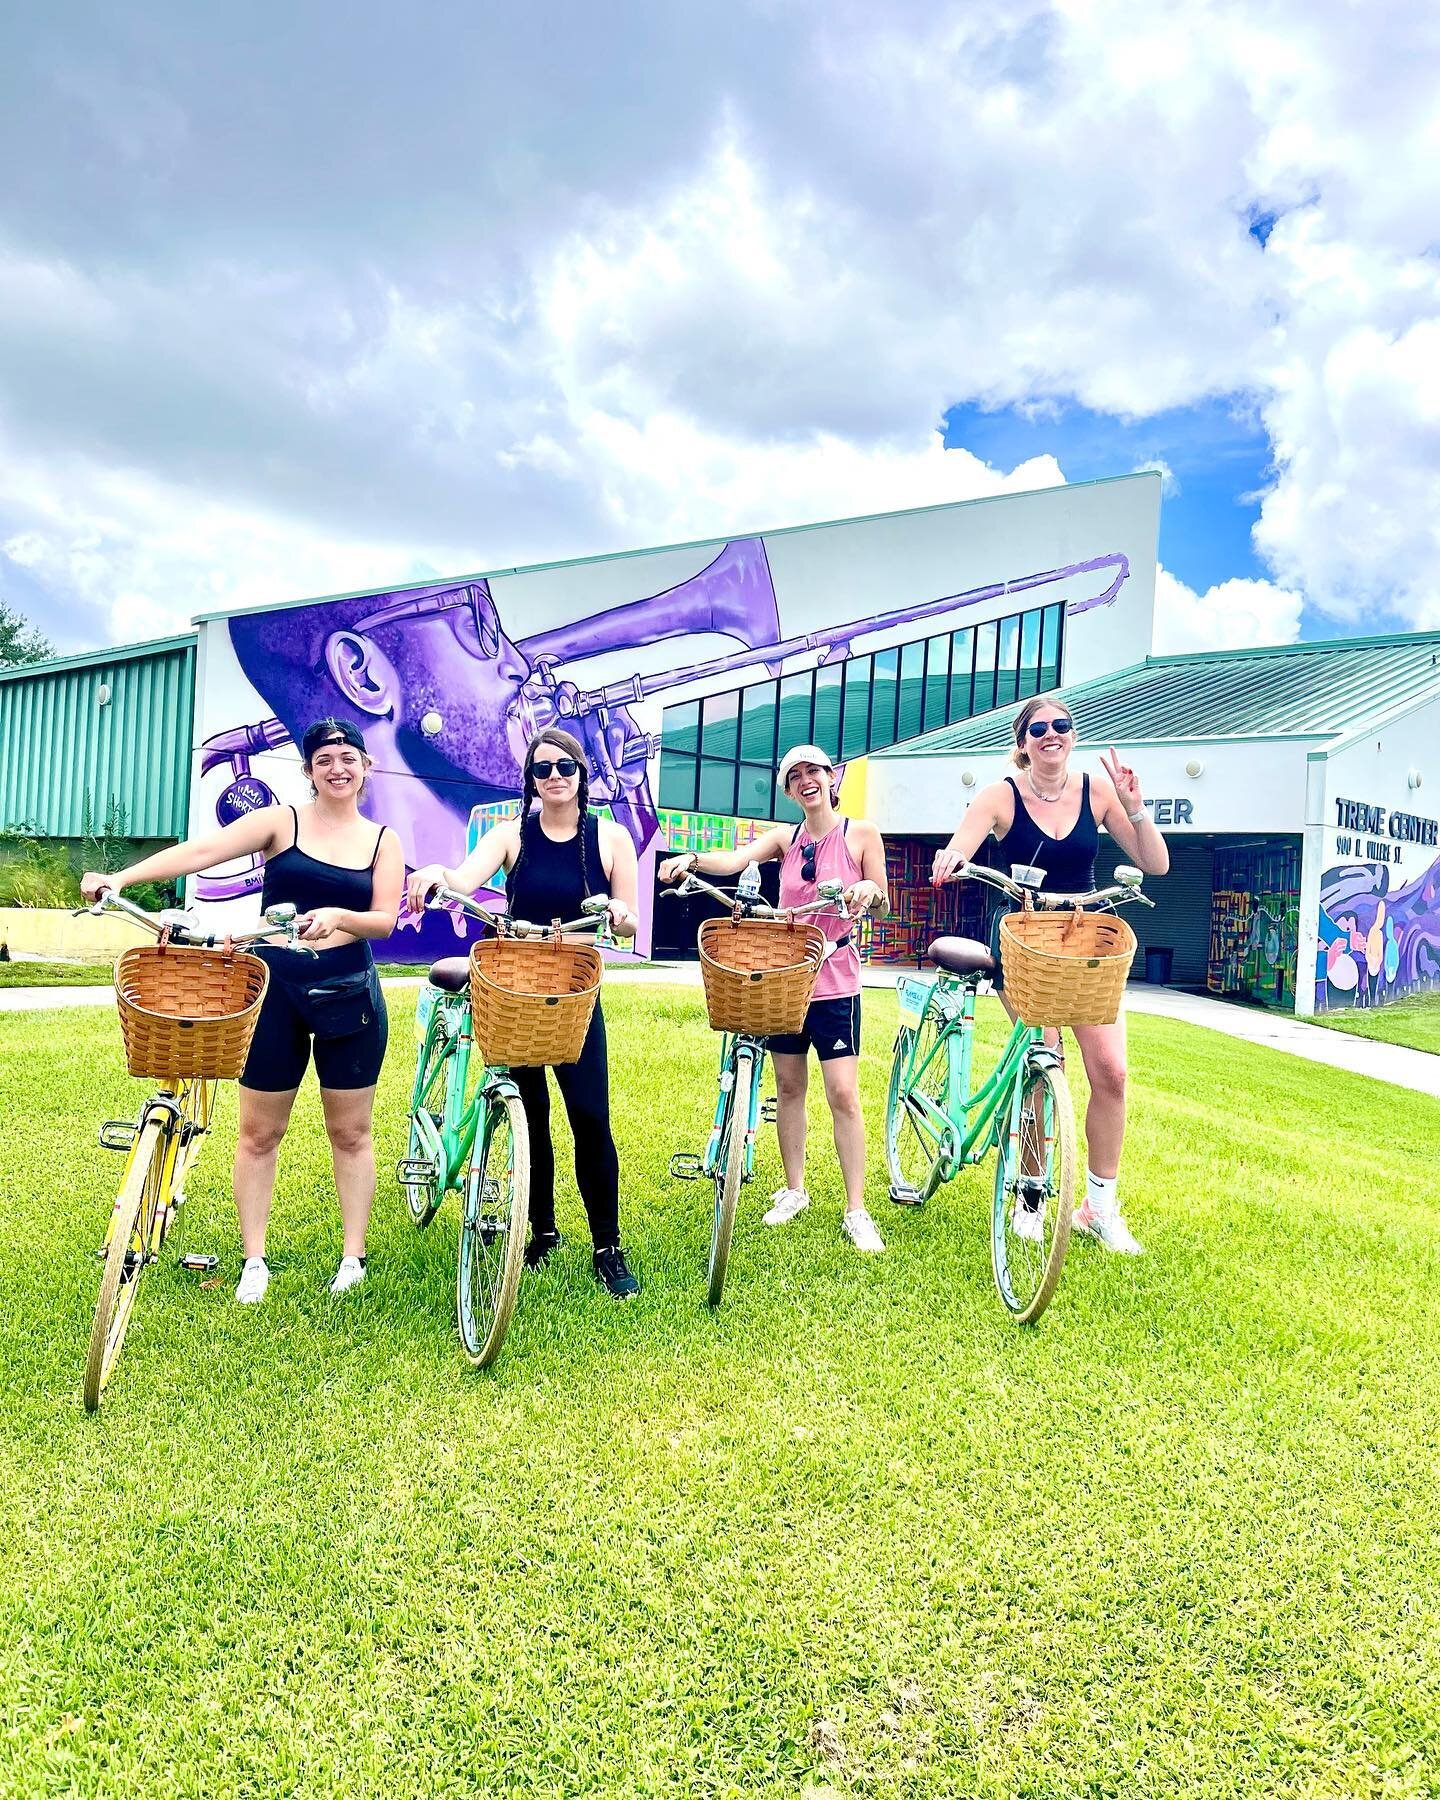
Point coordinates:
[[784, 1204], [254, 1279], [349, 1275], [1028, 1222], [1108, 1229], [859, 1227]]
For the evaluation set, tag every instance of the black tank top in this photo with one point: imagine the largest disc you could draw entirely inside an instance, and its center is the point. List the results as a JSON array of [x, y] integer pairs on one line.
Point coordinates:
[[305, 882], [547, 882], [1068, 862]]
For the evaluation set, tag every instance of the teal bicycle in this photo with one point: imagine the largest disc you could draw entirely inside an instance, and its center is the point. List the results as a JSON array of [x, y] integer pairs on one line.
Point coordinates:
[[728, 1158], [937, 1122], [473, 1140]]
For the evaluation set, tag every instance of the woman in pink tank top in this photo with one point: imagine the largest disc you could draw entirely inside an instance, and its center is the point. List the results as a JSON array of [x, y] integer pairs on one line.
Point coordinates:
[[824, 847]]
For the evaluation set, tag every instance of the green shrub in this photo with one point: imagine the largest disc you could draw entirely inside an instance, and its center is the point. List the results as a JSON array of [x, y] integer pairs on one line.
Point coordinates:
[[34, 872]]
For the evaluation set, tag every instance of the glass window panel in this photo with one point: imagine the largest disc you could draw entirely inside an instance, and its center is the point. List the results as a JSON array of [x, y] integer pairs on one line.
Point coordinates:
[[855, 733], [1030, 653], [717, 786], [677, 781], [984, 696], [828, 679], [912, 691], [721, 718], [757, 721], [1007, 661], [962, 655], [1050, 647], [884, 690], [937, 682], [755, 795], [785, 808], [680, 727], [796, 693]]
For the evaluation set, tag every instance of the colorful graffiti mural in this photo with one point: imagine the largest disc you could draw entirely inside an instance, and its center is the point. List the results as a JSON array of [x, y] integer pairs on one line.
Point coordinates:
[[1378, 941]]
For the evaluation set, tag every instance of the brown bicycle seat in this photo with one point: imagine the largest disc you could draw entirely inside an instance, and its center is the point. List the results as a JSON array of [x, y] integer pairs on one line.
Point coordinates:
[[962, 955], [452, 973]]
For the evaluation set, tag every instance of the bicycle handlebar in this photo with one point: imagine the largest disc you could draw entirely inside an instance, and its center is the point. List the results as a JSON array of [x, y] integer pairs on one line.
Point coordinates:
[[279, 923], [830, 901], [596, 906], [1127, 887]]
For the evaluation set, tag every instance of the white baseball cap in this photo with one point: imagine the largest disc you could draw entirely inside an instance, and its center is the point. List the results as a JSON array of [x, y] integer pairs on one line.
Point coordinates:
[[803, 753]]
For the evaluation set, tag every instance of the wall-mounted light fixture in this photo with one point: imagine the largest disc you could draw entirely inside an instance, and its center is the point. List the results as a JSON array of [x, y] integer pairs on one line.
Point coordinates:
[[1194, 768], [967, 778], [102, 694], [432, 724], [1414, 778]]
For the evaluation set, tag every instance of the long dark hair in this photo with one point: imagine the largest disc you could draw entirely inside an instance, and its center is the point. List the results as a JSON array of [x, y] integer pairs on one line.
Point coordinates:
[[562, 741]]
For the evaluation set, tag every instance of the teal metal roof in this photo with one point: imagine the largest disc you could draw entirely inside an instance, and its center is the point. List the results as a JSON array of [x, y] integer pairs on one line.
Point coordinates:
[[58, 742], [1292, 690]]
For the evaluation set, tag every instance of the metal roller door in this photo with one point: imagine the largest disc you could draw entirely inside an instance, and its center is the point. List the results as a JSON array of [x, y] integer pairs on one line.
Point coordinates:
[[1181, 919]]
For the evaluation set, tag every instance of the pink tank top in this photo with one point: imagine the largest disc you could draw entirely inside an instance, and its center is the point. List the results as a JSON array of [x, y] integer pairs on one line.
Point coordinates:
[[839, 974]]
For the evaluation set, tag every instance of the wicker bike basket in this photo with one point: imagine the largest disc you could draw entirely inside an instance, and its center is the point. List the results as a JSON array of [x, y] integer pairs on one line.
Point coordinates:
[[532, 999], [759, 973], [1066, 968], [188, 1012]]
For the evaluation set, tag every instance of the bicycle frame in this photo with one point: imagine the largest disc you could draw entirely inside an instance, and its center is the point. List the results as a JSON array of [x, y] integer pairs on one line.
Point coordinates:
[[731, 1046]]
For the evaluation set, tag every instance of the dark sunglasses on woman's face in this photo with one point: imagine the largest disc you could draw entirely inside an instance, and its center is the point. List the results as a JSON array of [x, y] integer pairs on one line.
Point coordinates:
[[565, 767], [1038, 727]]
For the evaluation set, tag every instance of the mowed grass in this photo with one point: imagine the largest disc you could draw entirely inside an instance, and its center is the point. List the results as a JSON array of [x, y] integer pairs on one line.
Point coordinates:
[[853, 1534], [1413, 1023], [32, 972]]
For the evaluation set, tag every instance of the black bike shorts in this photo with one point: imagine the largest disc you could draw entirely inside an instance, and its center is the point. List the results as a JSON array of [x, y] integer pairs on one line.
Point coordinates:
[[832, 1026], [280, 1050]]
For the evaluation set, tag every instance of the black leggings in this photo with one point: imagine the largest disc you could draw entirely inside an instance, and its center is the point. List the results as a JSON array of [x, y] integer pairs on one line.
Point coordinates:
[[585, 1089]]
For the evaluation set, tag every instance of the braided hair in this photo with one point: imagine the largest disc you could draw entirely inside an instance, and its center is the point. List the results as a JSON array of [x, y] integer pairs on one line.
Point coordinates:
[[567, 745]]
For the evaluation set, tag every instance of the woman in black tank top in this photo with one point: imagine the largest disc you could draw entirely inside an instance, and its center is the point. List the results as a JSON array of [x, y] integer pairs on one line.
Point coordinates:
[[554, 857], [1049, 816], [343, 874]]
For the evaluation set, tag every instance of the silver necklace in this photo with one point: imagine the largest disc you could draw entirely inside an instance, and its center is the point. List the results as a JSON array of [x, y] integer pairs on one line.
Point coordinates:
[[1049, 799]]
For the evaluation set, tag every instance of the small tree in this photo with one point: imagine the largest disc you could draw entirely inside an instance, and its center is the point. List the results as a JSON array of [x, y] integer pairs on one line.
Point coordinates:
[[20, 642]]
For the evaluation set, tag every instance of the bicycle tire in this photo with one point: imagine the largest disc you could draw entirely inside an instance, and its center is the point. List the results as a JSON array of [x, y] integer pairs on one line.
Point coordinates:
[[916, 1166], [126, 1254], [423, 1197], [731, 1172], [492, 1231], [1026, 1272], [197, 1110]]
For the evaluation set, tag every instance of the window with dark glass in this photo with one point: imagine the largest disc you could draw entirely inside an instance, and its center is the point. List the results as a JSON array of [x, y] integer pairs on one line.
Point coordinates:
[[962, 662], [912, 691], [884, 691], [983, 695], [855, 729], [1007, 662], [1030, 654], [829, 681], [937, 683]]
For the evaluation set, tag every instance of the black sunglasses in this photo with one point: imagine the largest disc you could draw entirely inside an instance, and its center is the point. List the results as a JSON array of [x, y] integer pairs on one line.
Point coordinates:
[[808, 853], [1061, 727], [565, 767]]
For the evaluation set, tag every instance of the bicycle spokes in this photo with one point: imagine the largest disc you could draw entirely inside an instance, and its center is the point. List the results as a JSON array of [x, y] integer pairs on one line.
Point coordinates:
[[1034, 1191]]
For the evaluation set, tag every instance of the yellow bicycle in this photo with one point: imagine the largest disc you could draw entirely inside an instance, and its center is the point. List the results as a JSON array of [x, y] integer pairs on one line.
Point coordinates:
[[161, 1144]]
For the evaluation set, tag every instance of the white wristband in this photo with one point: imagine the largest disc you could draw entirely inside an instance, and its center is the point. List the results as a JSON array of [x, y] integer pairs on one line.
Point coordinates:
[[1136, 817]]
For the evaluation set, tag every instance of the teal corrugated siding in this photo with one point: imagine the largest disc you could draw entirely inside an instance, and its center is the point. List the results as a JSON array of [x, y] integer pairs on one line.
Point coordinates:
[[58, 743]]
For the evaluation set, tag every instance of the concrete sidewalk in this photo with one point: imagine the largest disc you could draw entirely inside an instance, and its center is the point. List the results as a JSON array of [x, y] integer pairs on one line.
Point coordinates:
[[1414, 1069]]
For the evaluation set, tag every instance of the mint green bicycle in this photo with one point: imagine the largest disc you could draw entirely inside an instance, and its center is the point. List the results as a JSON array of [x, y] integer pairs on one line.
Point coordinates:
[[473, 1141], [937, 1123]]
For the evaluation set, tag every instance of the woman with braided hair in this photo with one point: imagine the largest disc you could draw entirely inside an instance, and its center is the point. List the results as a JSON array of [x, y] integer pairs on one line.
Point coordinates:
[[555, 854]]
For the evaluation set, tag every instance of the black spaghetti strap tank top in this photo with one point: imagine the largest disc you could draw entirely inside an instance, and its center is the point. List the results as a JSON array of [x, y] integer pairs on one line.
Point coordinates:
[[305, 882], [1068, 862], [549, 882]]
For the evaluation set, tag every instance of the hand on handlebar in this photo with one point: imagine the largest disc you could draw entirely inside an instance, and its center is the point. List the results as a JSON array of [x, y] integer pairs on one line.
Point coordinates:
[[423, 883], [674, 868], [861, 896], [948, 861], [96, 882]]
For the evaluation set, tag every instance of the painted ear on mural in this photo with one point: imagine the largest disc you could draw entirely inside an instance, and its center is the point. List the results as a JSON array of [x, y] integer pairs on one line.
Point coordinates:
[[362, 672]]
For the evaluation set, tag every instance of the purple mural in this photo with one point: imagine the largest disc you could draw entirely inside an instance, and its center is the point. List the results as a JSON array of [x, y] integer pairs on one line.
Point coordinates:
[[1377, 942], [448, 699]]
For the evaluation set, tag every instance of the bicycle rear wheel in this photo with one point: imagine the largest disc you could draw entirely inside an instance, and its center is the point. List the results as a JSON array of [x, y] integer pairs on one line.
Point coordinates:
[[731, 1171], [127, 1249], [492, 1230], [420, 1174], [914, 1140], [1034, 1191]]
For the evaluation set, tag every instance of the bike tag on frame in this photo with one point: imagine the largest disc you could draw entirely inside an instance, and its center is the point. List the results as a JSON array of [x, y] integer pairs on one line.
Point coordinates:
[[912, 995], [424, 1006]]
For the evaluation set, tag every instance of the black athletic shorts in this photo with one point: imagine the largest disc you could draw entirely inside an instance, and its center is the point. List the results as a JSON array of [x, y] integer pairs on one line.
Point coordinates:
[[280, 1050], [831, 1026]]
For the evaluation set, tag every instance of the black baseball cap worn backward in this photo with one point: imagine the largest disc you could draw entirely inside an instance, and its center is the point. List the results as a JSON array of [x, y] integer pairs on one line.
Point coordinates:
[[330, 731]]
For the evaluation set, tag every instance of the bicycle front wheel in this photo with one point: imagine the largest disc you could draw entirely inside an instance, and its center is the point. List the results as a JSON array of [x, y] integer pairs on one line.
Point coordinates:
[[127, 1250], [421, 1173], [1034, 1191], [731, 1171], [492, 1230], [920, 1090]]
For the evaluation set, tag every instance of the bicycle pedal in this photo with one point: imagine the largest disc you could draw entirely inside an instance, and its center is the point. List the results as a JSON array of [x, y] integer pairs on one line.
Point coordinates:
[[770, 1110], [118, 1134], [410, 1171], [906, 1196], [685, 1166], [197, 1263]]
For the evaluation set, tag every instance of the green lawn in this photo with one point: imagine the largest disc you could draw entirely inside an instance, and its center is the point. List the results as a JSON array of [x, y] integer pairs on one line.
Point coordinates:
[[855, 1534], [30, 973], [1414, 1023]]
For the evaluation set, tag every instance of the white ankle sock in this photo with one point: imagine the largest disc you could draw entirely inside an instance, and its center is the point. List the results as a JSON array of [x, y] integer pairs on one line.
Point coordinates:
[[1100, 1193]]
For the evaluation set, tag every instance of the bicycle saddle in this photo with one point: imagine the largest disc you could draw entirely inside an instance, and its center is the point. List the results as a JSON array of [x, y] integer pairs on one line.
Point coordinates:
[[451, 973], [962, 955]]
